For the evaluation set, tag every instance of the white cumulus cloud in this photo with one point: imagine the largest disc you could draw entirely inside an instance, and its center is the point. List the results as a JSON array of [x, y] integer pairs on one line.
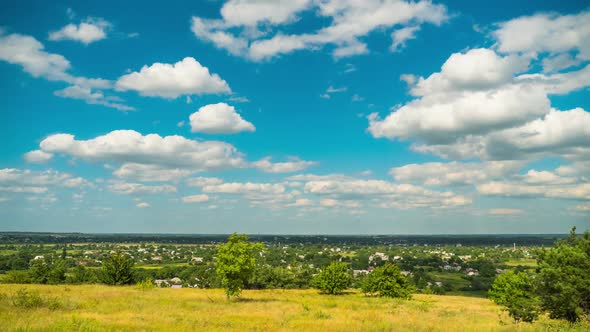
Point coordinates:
[[219, 118]]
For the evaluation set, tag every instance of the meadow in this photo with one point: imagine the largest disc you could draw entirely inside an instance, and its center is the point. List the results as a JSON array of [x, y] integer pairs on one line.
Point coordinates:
[[131, 308]]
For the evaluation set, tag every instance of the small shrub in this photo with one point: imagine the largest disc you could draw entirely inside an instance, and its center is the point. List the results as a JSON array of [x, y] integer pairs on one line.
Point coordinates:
[[32, 300], [145, 285], [322, 315], [17, 277], [25, 299]]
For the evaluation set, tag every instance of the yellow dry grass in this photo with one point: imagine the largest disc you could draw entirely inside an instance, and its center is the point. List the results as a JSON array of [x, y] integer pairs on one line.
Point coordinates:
[[104, 308]]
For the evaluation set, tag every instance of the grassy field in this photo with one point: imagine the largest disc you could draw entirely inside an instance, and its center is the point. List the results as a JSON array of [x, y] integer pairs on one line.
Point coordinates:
[[104, 308], [522, 262]]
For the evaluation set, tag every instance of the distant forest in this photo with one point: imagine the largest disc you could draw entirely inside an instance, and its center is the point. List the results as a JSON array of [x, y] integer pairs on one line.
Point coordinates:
[[433, 240]]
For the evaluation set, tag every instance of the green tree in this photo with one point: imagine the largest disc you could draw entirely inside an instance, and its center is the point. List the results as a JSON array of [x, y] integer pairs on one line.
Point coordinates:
[[236, 262], [564, 278], [117, 269], [334, 279], [39, 271], [516, 292], [47, 272], [387, 281], [57, 272], [81, 275]]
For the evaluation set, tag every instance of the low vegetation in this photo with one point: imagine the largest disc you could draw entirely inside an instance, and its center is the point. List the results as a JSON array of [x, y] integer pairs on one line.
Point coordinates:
[[127, 308]]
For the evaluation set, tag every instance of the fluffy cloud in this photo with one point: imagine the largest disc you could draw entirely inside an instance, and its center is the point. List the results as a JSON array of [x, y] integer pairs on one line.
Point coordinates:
[[444, 118], [552, 33], [294, 165], [88, 31], [127, 188], [253, 12], [455, 173], [560, 83], [538, 184], [128, 146], [562, 133], [37, 182], [350, 20], [150, 173], [385, 194], [38, 157], [30, 54], [143, 205], [477, 69], [218, 118], [195, 199], [480, 106], [164, 80], [155, 158]]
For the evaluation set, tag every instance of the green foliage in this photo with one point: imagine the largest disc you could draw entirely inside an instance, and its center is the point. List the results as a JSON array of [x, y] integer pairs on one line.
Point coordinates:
[[387, 281], [47, 272], [334, 279], [30, 300], [17, 277], [236, 262], [516, 292], [564, 278], [117, 269], [81, 275], [145, 285], [270, 277]]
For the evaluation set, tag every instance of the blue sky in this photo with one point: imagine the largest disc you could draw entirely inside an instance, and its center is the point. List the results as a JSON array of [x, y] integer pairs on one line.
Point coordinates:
[[307, 116]]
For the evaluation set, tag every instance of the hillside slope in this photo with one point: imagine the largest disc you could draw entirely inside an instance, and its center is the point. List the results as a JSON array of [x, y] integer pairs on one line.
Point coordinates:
[[100, 308]]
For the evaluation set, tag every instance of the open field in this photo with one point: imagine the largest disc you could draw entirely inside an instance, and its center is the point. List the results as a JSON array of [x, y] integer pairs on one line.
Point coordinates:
[[104, 308]]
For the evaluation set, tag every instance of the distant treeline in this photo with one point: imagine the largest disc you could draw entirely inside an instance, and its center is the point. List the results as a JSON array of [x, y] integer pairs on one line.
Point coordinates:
[[432, 240]]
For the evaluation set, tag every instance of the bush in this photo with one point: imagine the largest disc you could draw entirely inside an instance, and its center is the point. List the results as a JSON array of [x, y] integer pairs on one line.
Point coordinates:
[[334, 279], [387, 281], [30, 300], [515, 291], [81, 275], [17, 277], [145, 285]]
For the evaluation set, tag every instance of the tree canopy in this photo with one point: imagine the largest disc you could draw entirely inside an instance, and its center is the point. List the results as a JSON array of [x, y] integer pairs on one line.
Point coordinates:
[[334, 279], [564, 278], [117, 269], [387, 281], [236, 262]]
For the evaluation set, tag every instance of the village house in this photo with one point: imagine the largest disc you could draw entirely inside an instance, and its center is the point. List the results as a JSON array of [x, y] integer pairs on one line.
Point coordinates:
[[380, 255], [197, 259], [359, 272]]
